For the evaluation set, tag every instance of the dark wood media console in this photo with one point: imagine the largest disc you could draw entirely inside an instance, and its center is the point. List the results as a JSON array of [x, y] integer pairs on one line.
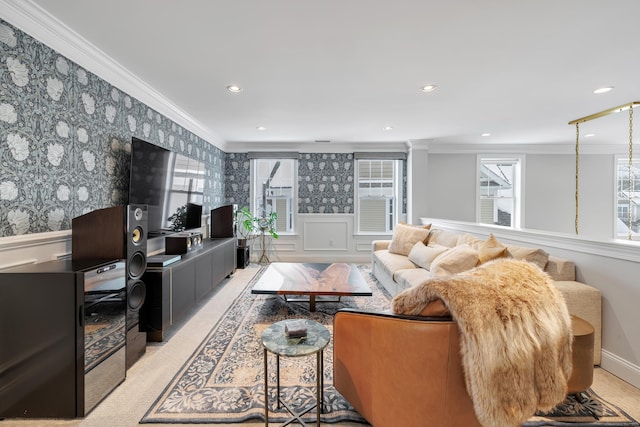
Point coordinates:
[[173, 290]]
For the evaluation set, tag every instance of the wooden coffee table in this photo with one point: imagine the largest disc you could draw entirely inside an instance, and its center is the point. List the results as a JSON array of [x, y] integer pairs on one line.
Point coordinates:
[[312, 280]]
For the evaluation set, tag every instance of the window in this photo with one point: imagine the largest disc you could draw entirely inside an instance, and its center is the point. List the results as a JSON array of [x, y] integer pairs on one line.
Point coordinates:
[[627, 199], [273, 189], [499, 191], [379, 195]]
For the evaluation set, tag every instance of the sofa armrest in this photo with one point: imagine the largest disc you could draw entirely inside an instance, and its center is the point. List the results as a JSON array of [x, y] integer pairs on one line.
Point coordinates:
[[401, 370], [378, 245]]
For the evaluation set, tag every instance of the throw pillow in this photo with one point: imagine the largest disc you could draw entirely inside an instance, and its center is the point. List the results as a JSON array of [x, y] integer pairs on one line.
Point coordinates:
[[423, 255], [405, 236], [454, 261], [491, 249], [534, 255], [443, 237], [468, 239]]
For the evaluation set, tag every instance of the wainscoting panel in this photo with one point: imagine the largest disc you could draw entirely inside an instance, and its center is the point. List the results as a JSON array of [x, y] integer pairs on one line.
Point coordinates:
[[33, 248], [327, 233]]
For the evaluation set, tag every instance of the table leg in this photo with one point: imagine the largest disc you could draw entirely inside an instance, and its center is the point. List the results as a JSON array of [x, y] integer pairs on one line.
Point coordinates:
[[266, 391], [322, 380], [278, 377], [318, 387], [312, 303]]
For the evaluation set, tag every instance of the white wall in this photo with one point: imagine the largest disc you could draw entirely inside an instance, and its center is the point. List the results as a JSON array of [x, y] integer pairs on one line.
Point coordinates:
[[550, 192], [610, 265], [417, 188], [451, 186]]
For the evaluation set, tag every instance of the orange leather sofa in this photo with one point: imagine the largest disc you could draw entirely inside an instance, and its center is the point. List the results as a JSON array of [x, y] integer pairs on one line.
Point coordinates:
[[400, 370]]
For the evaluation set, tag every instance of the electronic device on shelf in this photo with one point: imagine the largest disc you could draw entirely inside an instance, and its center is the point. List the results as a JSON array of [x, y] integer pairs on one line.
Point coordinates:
[[170, 184]]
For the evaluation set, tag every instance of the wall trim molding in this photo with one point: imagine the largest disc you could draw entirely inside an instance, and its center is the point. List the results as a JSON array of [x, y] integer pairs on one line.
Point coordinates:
[[620, 368], [30, 18], [24, 241], [618, 249]]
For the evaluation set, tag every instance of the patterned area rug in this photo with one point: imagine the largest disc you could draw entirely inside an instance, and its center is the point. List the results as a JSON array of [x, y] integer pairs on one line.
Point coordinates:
[[222, 381]]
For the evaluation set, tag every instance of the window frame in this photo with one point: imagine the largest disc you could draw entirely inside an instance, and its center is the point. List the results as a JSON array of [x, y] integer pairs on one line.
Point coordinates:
[[623, 160], [517, 216], [255, 192], [395, 215]]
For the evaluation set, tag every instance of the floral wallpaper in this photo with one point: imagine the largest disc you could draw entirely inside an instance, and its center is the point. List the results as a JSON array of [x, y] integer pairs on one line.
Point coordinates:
[[65, 139], [237, 179], [325, 183]]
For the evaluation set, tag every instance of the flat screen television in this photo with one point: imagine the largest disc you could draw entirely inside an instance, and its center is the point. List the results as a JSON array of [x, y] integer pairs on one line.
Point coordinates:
[[171, 184]]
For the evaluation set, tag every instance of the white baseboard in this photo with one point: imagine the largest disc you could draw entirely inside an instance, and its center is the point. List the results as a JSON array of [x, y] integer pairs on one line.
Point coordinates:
[[621, 368]]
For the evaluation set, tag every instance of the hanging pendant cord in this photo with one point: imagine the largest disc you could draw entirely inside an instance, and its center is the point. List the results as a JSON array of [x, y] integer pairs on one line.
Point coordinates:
[[577, 171], [629, 216]]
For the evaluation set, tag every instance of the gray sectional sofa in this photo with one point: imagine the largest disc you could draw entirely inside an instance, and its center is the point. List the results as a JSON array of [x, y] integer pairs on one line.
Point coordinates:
[[399, 265]]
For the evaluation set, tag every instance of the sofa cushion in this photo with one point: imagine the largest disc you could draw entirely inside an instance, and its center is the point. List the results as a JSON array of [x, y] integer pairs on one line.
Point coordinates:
[[410, 277], [443, 238], [405, 236], [392, 262], [491, 249], [534, 255], [423, 255], [455, 260]]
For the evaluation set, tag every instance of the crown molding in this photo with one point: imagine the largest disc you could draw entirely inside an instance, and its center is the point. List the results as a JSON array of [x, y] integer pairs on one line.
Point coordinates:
[[315, 147], [558, 149], [39, 24]]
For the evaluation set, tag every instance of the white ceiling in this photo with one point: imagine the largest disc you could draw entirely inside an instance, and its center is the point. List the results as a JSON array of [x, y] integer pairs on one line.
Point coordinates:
[[341, 70]]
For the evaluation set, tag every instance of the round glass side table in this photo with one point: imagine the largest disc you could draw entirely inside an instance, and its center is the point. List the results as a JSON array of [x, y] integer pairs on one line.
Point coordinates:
[[275, 341]]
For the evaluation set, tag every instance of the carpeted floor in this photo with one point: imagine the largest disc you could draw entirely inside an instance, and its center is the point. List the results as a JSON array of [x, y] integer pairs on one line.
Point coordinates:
[[146, 380], [223, 379], [222, 382]]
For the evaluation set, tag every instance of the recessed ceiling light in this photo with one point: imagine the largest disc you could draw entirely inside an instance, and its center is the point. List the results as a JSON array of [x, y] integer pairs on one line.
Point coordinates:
[[387, 128], [234, 88], [261, 128], [486, 134], [428, 88], [589, 135], [603, 89]]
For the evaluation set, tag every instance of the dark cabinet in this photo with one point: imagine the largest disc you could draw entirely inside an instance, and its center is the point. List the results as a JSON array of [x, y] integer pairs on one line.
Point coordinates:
[[172, 291]]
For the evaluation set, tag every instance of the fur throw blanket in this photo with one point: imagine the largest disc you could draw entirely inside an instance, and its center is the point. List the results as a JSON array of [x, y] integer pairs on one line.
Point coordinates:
[[515, 336]]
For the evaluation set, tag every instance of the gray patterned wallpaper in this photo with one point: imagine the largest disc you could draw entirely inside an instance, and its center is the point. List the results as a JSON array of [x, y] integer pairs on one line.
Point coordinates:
[[65, 139], [325, 183], [65, 146], [237, 179]]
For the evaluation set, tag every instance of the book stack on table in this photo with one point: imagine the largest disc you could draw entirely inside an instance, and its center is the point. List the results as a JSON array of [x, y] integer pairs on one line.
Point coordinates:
[[295, 328]]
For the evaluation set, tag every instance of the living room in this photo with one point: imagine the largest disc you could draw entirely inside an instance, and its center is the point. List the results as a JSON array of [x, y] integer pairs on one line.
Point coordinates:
[[67, 155]]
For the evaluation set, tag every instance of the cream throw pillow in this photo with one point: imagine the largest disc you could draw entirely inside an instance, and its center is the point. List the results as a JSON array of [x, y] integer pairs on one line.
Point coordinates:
[[534, 255], [405, 237], [491, 249], [454, 261], [423, 256]]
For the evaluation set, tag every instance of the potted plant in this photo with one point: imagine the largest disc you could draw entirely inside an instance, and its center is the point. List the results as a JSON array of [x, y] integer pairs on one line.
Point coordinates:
[[178, 220], [250, 226]]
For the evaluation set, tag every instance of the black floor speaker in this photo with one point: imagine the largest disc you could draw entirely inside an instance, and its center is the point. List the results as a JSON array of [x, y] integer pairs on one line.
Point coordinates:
[[118, 232], [223, 221]]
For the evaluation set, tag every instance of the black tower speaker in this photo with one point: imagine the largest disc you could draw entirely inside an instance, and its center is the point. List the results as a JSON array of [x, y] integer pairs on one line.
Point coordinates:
[[118, 232], [222, 221]]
